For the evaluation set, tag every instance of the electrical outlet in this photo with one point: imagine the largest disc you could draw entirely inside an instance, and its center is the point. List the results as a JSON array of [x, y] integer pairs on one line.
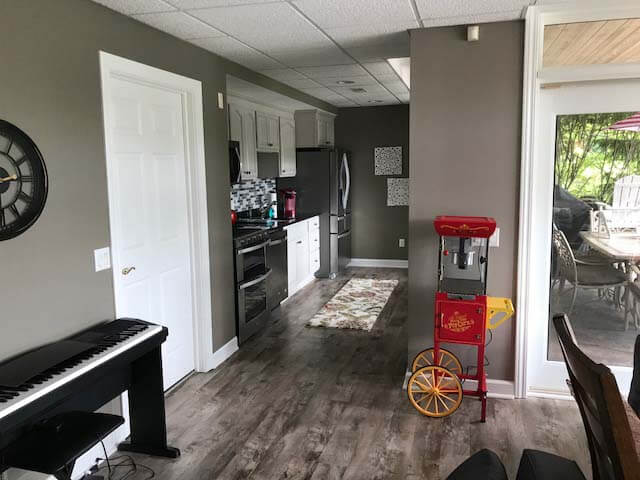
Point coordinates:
[[102, 259], [401, 242], [494, 240]]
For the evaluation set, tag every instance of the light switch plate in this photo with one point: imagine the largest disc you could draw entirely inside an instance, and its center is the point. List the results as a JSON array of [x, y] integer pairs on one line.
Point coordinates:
[[401, 242], [494, 240], [102, 259], [221, 100]]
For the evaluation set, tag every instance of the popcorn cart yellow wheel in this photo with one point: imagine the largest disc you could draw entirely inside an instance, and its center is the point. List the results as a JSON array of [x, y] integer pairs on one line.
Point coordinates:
[[447, 360], [435, 391]]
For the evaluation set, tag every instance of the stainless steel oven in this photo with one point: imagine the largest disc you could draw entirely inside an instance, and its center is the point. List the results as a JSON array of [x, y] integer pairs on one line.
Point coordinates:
[[252, 272]]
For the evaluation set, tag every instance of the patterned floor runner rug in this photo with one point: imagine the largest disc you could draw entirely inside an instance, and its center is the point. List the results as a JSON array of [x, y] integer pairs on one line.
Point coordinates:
[[357, 305]]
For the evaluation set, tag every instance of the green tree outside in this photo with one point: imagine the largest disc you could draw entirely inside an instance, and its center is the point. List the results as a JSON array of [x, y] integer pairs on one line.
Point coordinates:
[[590, 157]]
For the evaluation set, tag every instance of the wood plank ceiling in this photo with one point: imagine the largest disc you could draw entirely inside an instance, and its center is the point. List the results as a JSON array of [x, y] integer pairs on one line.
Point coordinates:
[[591, 43]]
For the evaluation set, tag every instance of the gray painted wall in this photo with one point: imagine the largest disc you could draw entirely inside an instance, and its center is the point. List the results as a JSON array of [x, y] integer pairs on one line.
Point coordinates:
[[50, 87], [466, 102], [376, 227]]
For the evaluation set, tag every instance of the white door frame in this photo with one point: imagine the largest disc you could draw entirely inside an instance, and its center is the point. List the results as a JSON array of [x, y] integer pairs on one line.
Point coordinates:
[[190, 90], [531, 233]]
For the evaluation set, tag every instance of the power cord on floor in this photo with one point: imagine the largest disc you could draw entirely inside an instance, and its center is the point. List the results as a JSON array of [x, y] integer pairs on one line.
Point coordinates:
[[117, 464], [486, 359]]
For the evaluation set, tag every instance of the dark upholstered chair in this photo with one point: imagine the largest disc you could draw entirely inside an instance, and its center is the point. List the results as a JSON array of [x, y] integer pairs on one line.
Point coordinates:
[[534, 465], [634, 394], [604, 413]]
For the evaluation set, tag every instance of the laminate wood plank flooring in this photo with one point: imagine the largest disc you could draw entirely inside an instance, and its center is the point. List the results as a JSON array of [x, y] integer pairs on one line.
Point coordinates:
[[316, 403]]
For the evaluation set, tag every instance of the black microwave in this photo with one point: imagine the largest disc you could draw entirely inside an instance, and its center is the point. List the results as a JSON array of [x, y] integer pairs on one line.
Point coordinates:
[[234, 162]]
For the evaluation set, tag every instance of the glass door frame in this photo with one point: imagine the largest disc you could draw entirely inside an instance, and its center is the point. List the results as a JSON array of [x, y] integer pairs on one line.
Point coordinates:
[[531, 274]]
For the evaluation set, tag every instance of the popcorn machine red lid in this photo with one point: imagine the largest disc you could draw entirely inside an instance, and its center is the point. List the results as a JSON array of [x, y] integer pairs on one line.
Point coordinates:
[[454, 226]]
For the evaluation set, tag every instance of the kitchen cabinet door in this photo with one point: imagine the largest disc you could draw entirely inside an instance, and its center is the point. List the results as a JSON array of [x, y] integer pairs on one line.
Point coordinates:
[[302, 259], [268, 132], [330, 136], [287, 148], [274, 132], [235, 123], [249, 160], [292, 266], [322, 131]]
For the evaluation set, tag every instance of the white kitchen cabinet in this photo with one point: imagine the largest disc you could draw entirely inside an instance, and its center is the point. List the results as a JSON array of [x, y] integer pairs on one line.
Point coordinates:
[[249, 160], [303, 253], [287, 148], [314, 129], [267, 132], [242, 129], [235, 123]]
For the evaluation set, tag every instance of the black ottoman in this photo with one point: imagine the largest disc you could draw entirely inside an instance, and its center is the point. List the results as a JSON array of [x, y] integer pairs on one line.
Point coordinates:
[[537, 465], [482, 465]]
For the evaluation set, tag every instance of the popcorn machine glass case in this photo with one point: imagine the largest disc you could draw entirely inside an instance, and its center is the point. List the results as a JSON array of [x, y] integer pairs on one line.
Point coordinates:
[[463, 313]]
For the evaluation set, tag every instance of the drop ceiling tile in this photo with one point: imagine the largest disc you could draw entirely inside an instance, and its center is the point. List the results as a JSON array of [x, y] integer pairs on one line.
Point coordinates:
[[379, 68], [371, 34], [235, 51], [320, 92], [131, 7], [283, 74], [387, 78], [358, 81], [188, 4], [404, 97], [179, 24], [396, 87], [312, 57], [457, 8], [343, 13], [273, 27], [378, 53], [301, 83], [334, 71], [472, 19]]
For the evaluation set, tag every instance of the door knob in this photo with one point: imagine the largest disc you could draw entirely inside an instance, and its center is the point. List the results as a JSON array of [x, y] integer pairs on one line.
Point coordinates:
[[128, 270]]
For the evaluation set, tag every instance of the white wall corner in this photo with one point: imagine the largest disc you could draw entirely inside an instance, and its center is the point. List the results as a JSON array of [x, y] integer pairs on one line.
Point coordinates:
[[222, 354], [378, 263]]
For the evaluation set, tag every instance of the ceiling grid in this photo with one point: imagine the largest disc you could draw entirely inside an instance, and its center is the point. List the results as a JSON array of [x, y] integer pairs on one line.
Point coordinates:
[[334, 50]]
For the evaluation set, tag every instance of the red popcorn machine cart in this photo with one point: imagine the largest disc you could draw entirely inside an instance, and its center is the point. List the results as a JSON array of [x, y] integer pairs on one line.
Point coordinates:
[[463, 314]]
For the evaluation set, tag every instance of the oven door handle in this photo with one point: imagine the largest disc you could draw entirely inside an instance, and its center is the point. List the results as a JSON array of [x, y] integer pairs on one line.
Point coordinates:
[[273, 243], [253, 249], [259, 279]]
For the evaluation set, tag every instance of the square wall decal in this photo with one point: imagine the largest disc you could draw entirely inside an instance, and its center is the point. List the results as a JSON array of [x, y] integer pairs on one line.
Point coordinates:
[[397, 192], [388, 160]]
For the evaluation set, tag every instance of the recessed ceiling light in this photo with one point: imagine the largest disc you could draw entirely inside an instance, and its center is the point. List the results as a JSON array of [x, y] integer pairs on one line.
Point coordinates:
[[358, 90], [345, 82]]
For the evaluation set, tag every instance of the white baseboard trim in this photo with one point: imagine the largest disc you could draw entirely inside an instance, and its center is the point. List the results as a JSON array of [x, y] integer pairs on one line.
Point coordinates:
[[550, 394], [378, 263], [222, 354], [497, 388]]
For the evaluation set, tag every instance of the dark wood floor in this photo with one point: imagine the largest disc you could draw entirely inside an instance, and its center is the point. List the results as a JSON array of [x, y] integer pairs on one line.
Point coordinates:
[[314, 403]]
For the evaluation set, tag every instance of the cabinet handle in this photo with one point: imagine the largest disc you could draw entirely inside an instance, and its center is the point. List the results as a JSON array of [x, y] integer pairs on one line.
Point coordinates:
[[299, 242], [270, 144], [247, 173], [284, 171]]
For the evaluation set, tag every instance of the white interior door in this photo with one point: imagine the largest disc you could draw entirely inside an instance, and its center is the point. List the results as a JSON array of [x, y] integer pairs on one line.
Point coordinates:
[[149, 217], [546, 376]]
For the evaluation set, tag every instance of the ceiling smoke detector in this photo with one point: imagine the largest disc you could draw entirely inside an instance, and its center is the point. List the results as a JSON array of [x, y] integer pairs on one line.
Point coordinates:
[[358, 90]]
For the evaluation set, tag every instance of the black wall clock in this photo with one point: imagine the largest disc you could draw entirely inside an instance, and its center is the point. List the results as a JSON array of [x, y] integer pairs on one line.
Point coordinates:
[[23, 181]]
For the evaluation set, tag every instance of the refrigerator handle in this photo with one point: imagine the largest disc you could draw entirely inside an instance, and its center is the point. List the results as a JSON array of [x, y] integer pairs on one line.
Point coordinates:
[[347, 186]]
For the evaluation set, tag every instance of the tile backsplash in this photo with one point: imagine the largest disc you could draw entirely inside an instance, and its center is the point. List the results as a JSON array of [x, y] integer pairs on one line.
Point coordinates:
[[250, 194]]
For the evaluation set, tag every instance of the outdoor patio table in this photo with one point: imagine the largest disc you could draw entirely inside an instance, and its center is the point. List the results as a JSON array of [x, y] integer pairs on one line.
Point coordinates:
[[622, 248]]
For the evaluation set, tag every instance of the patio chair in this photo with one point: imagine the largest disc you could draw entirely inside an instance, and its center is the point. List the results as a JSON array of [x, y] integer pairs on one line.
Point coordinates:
[[626, 192], [581, 274], [612, 428]]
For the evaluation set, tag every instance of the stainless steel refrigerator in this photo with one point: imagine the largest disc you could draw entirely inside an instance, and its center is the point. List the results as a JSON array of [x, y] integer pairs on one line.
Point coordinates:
[[322, 183]]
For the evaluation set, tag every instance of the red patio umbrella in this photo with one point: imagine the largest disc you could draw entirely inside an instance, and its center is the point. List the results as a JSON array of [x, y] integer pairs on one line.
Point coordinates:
[[632, 123]]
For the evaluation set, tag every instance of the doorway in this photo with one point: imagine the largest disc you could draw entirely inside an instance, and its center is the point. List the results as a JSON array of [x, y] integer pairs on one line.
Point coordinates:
[[157, 207], [581, 158]]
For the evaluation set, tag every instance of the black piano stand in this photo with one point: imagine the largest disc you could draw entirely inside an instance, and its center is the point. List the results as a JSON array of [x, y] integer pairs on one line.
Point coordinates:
[[146, 409]]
